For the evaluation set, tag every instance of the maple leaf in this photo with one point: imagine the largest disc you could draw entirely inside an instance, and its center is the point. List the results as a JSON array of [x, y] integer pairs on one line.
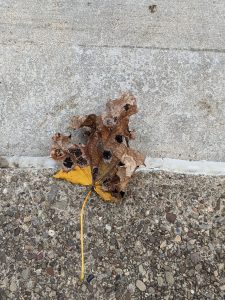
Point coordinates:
[[105, 162]]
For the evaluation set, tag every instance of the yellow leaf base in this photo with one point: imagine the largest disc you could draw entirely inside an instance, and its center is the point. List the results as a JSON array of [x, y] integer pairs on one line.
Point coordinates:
[[83, 176]]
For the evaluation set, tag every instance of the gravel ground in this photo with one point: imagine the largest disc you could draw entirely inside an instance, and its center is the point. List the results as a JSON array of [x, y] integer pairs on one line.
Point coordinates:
[[164, 241]]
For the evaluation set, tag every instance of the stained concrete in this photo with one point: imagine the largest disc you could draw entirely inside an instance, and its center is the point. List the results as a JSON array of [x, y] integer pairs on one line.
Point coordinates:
[[164, 241]]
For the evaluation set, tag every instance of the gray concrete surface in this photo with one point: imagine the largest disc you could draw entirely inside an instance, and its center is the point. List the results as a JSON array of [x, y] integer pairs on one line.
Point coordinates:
[[180, 95], [60, 58], [164, 241]]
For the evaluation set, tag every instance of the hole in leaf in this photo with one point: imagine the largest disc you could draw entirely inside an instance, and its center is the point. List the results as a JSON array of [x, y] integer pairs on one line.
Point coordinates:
[[107, 154], [68, 162], [122, 194], [126, 106], [119, 138]]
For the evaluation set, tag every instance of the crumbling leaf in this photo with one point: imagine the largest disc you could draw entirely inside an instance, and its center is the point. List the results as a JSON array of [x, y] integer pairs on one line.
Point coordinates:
[[106, 155], [105, 162]]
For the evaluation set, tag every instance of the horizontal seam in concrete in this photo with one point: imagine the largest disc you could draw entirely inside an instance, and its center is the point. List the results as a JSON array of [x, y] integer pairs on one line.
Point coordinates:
[[211, 168], [154, 48], [207, 50]]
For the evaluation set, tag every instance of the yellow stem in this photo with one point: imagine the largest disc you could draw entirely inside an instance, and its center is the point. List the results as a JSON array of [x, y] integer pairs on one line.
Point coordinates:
[[82, 235]]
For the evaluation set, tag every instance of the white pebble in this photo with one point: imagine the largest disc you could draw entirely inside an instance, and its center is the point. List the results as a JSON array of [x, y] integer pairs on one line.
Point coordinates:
[[51, 232], [108, 227]]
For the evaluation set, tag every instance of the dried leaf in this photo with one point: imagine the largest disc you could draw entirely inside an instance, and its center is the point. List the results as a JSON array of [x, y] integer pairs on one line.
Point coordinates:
[[106, 155], [105, 162]]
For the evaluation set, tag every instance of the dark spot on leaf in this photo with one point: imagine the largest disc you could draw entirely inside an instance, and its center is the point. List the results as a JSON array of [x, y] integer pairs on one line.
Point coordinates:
[[122, 194], [90, 278], [119, 138], [77, 152], [95, 173], [59, 153], [126, 107], [107, 154], [68, 162], [81, 161]]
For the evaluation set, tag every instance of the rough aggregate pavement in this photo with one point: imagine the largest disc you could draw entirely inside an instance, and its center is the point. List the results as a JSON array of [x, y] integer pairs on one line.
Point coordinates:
[[165, 240]]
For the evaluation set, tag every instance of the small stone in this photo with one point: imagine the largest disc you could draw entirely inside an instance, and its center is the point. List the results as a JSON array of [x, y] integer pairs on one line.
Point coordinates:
[[151, 291], [90, 278], [13, 286], [141, 269], [108, 227], [160, 281], [25, 274], [198, 267], [195, 257], [38, 272], [51, 232], [169, 278], [27, 219], [84, 288], [119, 271], [163, 244], [177, 239], [192, 242], [222, 287], [140, 285], [131, 288], [171, 217], [50, 271]]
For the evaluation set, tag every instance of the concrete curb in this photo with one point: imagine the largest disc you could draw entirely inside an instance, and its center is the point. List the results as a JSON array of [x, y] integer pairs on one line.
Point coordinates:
[[211, 168]]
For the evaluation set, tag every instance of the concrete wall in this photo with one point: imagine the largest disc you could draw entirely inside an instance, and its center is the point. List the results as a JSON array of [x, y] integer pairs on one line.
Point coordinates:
[[62, 58]]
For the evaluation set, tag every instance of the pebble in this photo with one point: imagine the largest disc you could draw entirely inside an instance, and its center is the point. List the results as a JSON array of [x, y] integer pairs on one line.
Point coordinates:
[[198, 267], [169, 278], [25, 274], [151, 291], [171, 217], [222, 287], [141, 269], [177, 239], [163, 244], [13, 286], [160, 281], [27, 219], [51, 232], [108, 227], [90, 278], [195, 257], [140, 285]]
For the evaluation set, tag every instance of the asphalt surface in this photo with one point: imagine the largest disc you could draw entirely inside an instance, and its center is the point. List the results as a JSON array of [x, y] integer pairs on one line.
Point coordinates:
[[165, 240]]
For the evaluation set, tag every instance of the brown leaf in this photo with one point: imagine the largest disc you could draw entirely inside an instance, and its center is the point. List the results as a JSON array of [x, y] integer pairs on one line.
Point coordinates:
[[107, 150]]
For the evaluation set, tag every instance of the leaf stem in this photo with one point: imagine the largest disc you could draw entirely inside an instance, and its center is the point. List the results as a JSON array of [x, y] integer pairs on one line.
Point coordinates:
[[82, 234]]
